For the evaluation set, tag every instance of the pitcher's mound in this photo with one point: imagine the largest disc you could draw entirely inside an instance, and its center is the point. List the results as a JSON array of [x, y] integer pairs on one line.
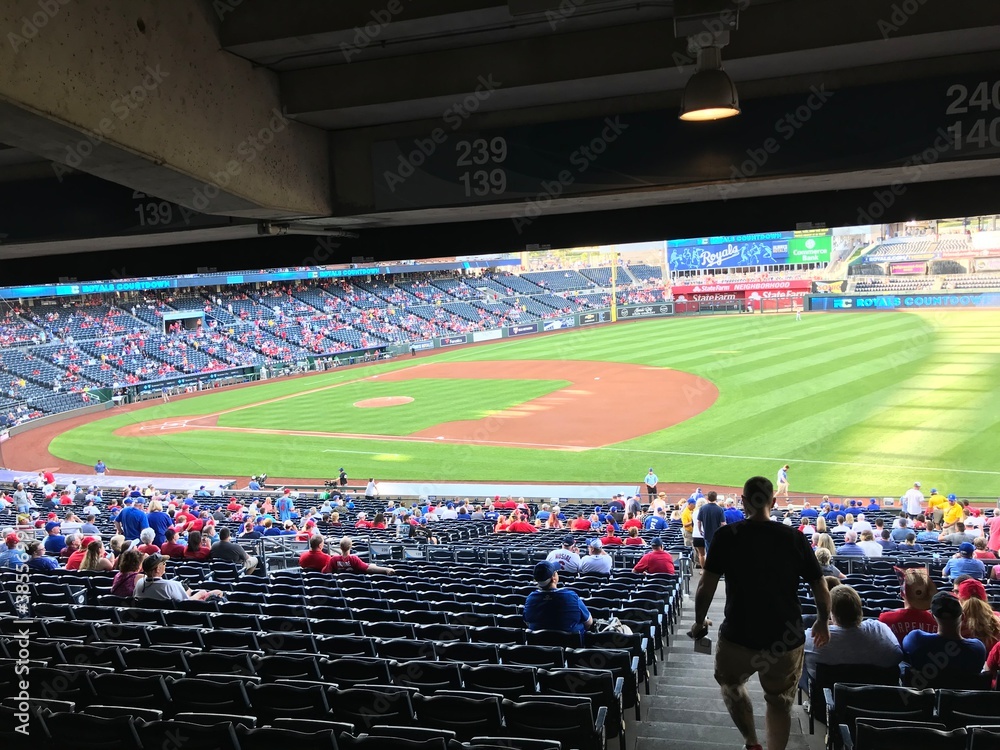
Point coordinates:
[[374, 403]]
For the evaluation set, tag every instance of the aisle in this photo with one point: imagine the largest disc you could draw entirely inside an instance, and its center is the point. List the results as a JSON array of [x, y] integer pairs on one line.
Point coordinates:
[[685, 709]]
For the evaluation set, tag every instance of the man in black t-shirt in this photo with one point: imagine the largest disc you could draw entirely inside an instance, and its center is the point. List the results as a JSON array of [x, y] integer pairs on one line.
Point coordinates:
[[762, 633]]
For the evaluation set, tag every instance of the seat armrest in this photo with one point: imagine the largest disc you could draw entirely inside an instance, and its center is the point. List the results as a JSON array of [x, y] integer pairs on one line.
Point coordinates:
[[619, 686], [602, 715], [635, 664], [845, 737]]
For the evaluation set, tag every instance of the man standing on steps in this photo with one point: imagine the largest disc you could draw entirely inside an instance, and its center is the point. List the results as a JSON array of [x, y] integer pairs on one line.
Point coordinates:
[[762, 631], [711, 518]]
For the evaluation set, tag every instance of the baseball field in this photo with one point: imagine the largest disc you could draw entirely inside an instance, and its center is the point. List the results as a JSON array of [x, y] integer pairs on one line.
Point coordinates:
[[857, 404]]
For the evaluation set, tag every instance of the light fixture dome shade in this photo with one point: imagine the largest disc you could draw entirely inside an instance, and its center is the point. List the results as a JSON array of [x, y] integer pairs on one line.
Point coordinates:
[[709, 95]]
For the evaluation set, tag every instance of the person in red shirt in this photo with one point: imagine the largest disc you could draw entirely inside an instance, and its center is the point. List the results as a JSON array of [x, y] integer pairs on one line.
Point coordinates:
[[609, 536], [147, 547], [918, 591], [657, 560], [195, 550], [345, 562], [49, 477], [632, 522], [993, 524], [73, 563], [315, 558], [634, 538], [363, 522], [379, 521], [580, 523], [519, 526], [170, 547], [981, 552], [66, 500], [234, 505]]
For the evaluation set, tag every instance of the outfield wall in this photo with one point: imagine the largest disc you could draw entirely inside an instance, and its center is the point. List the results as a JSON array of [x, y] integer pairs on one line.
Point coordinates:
[[863, 303]]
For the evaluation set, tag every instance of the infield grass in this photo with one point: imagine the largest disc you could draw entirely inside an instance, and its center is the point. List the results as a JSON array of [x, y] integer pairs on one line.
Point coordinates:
[[858, 403]]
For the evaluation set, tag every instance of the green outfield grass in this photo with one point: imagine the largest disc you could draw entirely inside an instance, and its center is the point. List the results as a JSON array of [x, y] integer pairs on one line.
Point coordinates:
[[858, 404]]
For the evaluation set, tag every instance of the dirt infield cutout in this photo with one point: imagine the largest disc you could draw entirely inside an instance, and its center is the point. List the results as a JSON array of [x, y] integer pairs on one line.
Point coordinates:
[[376, 403], [603, 404]]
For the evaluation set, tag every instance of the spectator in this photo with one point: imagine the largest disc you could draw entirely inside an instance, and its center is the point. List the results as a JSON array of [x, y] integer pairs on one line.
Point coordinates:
[[869, 546], [566, 556], [88, 526], [250, 531], [94, 558], [762, 562], [14, 556], [850, 547], [982, 550], [909, 545], [158, 521], [552, 608], [926, 652], [964, 564], [314, 558], [918, 590], [229, 551], [76, 557], [54, 541], [196, 548], [955, 537], [853, 639], [132, 520], [609, 537], [38, 561], [155, 587], [345, 562], [735, 515], [823, 557], [978, 618], [825, 541], [129, 572], [580, 523], [171, 548], [634, 539], [146, 546], [885, 541], [657, 560], [899, 533], [597, 560], [929, 534], [687, 522]]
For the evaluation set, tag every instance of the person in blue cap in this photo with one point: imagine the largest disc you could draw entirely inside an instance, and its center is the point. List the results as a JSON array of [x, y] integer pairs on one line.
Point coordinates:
[[964, 563], [873, 506], [552, 608]]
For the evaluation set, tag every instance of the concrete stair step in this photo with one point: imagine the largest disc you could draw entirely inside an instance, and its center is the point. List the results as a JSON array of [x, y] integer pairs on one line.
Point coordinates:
[[733, 742], [706, 717]]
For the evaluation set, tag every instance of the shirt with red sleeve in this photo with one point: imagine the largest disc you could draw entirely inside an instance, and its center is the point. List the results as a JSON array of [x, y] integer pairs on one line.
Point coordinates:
[[903, 621], [634, 540], [632, 523], [611, 540], [363, 524], [148, 549], [173, 550], [314, 560], [580, 524], [657, 561], [345, 564], [201, 553], [73, 563], [522, 527]]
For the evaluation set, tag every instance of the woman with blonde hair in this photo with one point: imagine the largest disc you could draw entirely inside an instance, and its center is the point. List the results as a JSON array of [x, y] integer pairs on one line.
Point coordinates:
[[820, 528], [849, 520], [978, 618], [823, 557], [94, 558], [825, 541]]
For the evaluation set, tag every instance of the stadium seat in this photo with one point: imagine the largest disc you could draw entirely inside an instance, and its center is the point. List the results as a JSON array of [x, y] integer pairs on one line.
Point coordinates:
[[571, 722], [190, 736], [466, 716], [365, 707], [269, 738], [91, 732]]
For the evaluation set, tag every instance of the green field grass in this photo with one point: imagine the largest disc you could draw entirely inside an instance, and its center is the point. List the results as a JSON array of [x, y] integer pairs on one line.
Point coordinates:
[[858, 404]]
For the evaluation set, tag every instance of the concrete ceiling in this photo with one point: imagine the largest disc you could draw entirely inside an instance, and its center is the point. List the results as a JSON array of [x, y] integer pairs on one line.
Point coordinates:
[[348, 74]]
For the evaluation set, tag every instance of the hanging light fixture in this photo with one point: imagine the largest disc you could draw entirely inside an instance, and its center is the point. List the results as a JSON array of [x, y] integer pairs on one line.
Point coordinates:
[[710, 93]]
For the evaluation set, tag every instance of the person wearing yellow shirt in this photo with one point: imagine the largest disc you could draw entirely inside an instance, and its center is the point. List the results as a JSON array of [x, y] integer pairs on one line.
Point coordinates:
[[953, 514], [687, 523], [936, 505]]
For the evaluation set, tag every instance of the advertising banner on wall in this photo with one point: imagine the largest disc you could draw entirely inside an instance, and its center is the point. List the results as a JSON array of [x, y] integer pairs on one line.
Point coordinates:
[[908, 269], [422, 346], [453, 340], [802, 285], [590, 318], [522, 330], [557, 325], [487, 335], [764, 249], [908, 302], [830, 287], [645, 311]]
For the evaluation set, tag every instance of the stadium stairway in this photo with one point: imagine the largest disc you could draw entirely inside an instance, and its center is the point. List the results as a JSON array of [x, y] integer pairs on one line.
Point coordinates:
[[684, 710]]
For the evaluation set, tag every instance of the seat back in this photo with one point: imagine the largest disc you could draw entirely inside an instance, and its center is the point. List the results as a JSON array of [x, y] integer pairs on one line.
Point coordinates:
[[870, 737]]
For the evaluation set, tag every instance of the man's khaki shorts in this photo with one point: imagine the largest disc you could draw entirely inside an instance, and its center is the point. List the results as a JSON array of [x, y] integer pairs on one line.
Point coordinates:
[[688, 538], [778, 669]]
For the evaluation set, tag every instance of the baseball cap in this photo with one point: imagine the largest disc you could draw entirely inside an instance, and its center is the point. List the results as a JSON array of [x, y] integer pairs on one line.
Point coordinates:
[[88, 540], [12, 540], [918, 588], [51, 525], [692, 501], [946, 605], [596, 544], [952, 496], [916, 484], [970, 588], [966, 549], [933, 490], [544, 571], [150, 563], [127, 501], [656, 542], [569, 540]]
